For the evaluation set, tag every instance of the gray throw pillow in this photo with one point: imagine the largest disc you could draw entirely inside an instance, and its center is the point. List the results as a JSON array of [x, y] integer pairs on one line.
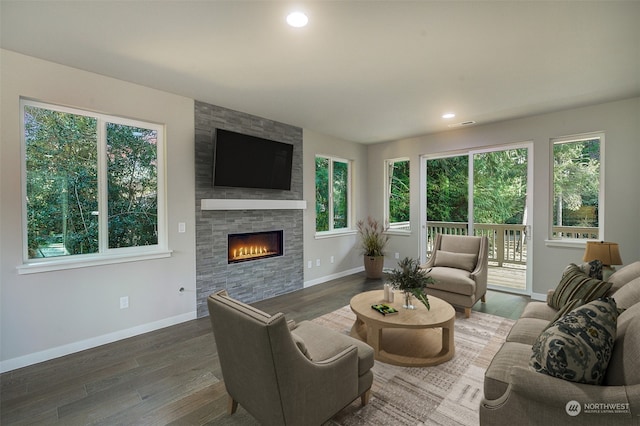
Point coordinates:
[[578, 346]]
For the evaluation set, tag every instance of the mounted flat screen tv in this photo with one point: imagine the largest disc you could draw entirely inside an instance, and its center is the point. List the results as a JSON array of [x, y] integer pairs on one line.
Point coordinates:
[[244, 161]]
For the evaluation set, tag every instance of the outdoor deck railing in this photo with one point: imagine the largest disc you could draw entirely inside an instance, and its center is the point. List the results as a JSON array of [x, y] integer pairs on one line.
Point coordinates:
[[575, 232], [506, 242]]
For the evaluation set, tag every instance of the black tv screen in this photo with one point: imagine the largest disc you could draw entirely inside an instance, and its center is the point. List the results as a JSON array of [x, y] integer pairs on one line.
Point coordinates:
[[244, 161]]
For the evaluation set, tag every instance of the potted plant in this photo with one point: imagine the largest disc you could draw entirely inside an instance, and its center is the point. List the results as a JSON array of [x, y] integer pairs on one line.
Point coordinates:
[[372, 240], [412, 280]]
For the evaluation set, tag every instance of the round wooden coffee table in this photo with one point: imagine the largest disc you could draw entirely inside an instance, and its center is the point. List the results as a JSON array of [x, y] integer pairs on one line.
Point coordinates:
[[412, 337]]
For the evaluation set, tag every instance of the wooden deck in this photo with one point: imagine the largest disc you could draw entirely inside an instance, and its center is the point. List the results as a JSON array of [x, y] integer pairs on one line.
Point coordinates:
[[511, 277]]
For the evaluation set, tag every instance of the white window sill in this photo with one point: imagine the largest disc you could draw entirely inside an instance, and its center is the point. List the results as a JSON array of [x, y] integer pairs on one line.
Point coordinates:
[[69, 263], [332, 234], [566, 243]]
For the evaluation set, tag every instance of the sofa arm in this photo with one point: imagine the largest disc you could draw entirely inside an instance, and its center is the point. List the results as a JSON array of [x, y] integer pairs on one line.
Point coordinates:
[[554, 392], [544, 400]]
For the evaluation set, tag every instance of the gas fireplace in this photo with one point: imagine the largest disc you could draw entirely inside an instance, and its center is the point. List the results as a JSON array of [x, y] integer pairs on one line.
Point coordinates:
[[254, 246]]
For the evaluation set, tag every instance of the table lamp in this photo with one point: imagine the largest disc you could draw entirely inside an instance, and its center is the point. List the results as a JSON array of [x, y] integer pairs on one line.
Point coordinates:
[[605, 252]]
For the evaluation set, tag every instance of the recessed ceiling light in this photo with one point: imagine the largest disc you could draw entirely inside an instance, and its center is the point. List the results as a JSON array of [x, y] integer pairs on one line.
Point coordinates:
[[448, 115], [297, 19]]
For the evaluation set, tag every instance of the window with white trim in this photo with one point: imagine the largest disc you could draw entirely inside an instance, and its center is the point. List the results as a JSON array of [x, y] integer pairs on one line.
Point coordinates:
[[577, 187], [93, 184], [333, 194], [397, 199]]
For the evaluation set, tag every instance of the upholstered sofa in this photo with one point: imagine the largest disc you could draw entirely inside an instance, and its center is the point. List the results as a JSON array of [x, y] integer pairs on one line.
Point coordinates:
[[284, 373], [515, 393], [459, 266]]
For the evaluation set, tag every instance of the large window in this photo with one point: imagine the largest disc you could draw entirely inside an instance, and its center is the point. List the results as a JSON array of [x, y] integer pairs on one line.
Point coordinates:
[[397, 180], [93, 184], [577, 187], [333, 194]]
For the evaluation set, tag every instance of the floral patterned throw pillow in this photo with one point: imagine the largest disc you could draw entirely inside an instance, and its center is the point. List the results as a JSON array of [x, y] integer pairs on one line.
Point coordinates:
[[578, 346]]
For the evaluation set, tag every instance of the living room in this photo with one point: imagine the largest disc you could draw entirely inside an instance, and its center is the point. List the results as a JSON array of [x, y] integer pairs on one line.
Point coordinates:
[[52, 313]]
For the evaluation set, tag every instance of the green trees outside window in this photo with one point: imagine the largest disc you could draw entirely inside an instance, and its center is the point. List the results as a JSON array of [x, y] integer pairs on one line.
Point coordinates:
[[398, 194], [333, 182], [448, 189], [132, 186], [62, 175], [91, 182], [499, 187], [576, 183]]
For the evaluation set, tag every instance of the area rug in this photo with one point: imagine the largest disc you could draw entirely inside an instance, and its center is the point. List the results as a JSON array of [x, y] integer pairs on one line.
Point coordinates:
[[447, 394]]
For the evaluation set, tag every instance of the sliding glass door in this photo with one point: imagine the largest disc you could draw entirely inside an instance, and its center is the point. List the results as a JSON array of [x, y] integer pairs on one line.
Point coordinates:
[[482, 193]]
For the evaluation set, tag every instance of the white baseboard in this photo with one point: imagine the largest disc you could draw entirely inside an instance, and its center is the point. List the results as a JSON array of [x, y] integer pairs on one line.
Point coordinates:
[[542, 297], [46, 355], [333, 276]]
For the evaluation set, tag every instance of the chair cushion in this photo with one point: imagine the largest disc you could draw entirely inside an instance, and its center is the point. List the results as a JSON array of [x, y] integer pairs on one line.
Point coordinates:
[[466, 261], [527, 330], [578, 346], [623, 366], [624, 275], [539, 310], [628, 295], [575, 284], [452, 280], [322, 343]]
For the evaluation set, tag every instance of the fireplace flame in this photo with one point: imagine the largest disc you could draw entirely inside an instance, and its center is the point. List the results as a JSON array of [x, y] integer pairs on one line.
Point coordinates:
[[250, 251], [256, 245]]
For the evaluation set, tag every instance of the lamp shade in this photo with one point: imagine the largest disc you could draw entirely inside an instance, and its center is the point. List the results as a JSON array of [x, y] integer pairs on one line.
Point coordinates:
[[605, 252]]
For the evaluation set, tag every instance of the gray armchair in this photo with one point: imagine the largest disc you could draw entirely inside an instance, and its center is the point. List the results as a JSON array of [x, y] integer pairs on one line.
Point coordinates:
[[459, 265], [286, 374]]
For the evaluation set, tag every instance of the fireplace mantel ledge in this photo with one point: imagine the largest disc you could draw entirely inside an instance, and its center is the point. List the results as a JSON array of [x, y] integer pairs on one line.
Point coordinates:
[[249, 204]]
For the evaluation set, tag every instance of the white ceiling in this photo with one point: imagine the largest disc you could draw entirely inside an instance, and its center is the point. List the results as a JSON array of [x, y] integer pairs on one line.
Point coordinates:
[[365, 71]]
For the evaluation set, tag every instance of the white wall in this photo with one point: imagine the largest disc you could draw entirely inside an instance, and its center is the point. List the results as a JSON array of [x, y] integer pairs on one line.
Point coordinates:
[[344, 248], [621, 123], [49, 314]]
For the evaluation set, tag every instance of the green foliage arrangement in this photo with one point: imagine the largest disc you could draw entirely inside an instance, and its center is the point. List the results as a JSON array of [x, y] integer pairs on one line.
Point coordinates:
[[410, 277], [372, 237]]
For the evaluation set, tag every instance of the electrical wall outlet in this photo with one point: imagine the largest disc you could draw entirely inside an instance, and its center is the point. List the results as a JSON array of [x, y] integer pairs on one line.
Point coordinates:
[[397, 255], [317, 262], [124, 302], [309, 264], [182, 227], [332, 259]]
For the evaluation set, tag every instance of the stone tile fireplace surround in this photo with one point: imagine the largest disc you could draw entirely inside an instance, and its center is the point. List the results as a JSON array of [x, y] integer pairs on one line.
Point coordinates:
[[259, 279]]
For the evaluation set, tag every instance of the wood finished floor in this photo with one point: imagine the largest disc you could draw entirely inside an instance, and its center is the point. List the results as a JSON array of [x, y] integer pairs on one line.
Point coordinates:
[[169, 376]]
